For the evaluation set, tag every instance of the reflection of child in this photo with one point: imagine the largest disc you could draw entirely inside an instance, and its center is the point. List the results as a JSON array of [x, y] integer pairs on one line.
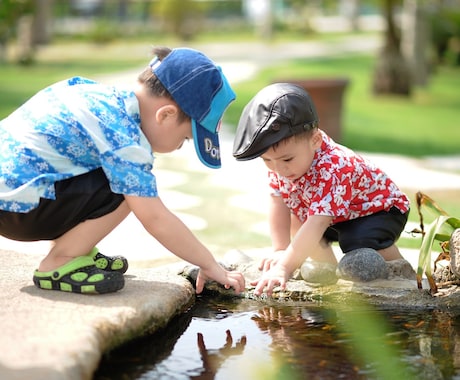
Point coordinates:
[[321, 191], [213, 359], [77, 158]]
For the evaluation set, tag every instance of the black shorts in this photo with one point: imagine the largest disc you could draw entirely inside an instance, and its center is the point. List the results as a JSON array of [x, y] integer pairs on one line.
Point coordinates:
[[87, 196], [377, 231]]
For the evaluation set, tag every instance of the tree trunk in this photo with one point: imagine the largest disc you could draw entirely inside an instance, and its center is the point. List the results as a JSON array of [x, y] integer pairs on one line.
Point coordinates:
[[350, 9], [391, 74], [25, 54], [43, 16], [415, 39]]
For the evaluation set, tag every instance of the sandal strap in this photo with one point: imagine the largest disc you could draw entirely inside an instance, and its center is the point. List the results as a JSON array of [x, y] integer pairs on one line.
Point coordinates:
[[79, 275], [76, 264]]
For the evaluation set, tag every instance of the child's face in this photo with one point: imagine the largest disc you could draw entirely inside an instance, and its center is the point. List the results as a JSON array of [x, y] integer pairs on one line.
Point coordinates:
[[292, 158], [177, 135], [168, 134]]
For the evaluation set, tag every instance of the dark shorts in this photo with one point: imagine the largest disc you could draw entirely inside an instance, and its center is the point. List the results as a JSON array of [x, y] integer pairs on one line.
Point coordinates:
[[87, 196], [377, 231]]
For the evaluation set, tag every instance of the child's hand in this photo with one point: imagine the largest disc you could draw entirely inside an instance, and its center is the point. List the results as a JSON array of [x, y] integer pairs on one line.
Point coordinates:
[[270, 261], [277, 275], [229, 279]]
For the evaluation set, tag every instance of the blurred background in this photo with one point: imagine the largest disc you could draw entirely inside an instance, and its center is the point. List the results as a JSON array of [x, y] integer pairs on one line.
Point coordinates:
[[400, 48], [386, 71]]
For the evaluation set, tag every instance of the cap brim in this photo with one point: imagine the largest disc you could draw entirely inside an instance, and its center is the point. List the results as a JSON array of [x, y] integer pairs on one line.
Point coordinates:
[[206, 145]]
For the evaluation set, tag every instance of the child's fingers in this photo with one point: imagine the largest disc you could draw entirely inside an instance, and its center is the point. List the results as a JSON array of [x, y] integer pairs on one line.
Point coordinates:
[[267, 285], [236, 280], [199, 285]]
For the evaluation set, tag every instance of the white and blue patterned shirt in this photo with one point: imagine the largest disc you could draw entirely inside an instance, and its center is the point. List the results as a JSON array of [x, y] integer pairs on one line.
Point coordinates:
[[67, 129]]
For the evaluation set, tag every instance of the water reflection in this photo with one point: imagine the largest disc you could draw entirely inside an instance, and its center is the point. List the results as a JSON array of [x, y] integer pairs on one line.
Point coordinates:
[[213, 358], [300, 338], [247, 339]]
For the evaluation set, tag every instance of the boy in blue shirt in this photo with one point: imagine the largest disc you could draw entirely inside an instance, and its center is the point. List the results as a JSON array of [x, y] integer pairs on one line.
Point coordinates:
[[77, 158]]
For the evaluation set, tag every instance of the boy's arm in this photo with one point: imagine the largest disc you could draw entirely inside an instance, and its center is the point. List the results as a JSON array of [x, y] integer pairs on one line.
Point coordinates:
[[174, 235], [304, 244]]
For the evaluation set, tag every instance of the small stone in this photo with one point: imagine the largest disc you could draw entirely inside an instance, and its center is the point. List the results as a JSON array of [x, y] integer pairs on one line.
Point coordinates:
[[363, 264], [318, 273]]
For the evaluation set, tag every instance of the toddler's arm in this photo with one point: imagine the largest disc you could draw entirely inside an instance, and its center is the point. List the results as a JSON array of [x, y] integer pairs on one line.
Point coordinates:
[[279, 219], [306, 243]]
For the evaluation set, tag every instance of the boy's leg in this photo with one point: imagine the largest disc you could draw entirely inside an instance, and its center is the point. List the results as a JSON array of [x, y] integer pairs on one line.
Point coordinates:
[[81, 239], [68, 267], [85, 211]]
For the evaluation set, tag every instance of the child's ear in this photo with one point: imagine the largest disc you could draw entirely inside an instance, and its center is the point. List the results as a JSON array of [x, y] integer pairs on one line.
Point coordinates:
[[317, 139], [165, 112]]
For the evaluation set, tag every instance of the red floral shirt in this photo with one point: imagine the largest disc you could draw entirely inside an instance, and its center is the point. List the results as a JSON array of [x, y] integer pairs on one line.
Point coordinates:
[[341, 184]]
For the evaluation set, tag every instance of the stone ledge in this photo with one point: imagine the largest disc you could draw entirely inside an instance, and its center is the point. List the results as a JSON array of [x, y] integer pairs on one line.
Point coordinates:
[[55, 335]]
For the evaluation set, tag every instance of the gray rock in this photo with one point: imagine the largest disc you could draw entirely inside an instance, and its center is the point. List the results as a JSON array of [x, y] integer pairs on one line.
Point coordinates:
[[364, 264]]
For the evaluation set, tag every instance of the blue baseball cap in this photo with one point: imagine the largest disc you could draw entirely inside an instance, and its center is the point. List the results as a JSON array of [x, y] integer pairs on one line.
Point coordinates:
[[202, 91]]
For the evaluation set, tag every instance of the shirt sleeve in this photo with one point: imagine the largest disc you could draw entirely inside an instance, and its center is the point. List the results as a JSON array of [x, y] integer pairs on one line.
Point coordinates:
[[274, 184], [129, 171]]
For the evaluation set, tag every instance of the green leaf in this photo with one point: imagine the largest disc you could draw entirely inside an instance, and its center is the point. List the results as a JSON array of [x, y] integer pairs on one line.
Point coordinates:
[[424, 259]]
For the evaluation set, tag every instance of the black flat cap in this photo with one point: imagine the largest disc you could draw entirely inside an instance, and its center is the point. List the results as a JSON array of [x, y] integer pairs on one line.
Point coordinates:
[[276, 112]]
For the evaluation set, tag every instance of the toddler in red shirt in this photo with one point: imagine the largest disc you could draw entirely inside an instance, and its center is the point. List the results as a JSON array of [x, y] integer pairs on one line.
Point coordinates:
[[321, 191]]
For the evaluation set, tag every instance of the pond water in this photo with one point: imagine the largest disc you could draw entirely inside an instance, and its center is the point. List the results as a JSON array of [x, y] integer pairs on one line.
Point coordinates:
[[249, 339]]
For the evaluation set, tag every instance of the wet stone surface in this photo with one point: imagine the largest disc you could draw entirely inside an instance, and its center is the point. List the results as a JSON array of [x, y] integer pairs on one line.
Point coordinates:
[[398, 289]]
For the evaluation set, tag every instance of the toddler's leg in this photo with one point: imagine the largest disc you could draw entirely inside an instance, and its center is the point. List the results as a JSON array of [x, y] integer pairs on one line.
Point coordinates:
[[325, 253], [390, 253]]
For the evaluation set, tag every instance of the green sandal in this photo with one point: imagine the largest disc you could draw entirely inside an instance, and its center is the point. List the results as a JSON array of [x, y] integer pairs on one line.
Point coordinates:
[[109, 263], [80, 275]]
